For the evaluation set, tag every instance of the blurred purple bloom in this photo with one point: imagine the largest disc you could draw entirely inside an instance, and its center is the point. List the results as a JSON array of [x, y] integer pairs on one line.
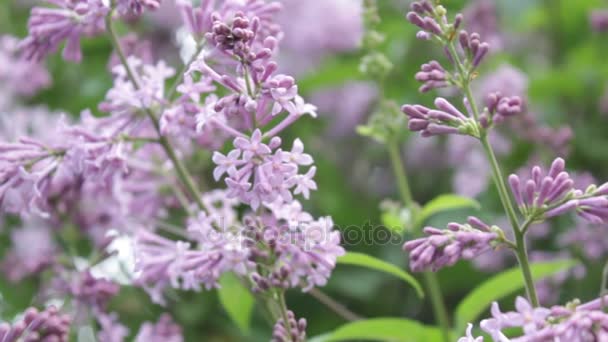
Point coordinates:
[[111, 329], [482, 17], [165, 330], [14, 71], [599, 20], [444, 247], [70, 20], [21, 259]]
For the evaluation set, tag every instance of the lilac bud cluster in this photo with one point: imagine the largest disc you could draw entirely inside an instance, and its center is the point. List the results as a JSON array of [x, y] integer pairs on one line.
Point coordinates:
[[474, 49], [444, 247], [498, 108], [48, 325], [297, 332], [446, 119], [431, 20], [553, 194], [578, 323]]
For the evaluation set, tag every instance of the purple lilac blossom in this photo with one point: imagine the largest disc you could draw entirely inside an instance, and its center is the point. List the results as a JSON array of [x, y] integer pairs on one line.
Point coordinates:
[[47, 325], [577, 323], [165, 330], [444, 247]]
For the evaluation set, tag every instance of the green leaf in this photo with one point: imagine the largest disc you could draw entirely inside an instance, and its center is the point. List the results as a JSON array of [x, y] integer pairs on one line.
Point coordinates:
[[382, 329], [364, 260], [236, 300], [501, 285], [444, 203]]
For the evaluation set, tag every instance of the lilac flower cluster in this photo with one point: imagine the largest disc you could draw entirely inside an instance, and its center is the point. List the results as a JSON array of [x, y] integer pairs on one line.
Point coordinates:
[[445, 247], [583, 322], [48, 325]]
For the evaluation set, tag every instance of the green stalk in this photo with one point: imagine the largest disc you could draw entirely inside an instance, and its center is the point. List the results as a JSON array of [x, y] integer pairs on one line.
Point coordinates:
[[520, 241], [430, 278], [181, 170]]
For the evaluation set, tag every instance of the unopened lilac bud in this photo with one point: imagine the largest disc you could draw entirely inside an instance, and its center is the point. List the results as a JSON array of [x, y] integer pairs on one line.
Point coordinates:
[[457, 21], [463, 39], [480, 54]]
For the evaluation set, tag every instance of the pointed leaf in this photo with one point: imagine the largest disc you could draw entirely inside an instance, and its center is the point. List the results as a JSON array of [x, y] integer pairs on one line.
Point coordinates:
[[444, 203], [364, 260], [382, 329], [236, 300]]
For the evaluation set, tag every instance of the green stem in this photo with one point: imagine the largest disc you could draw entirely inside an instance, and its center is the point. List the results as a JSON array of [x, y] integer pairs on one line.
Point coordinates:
[[400, 174], [283, 308], [184, 69], [181, 170], [520, 241], [441, 314], [431, 281]]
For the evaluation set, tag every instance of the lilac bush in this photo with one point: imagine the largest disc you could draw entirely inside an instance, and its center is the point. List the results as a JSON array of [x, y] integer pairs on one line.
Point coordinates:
[[192, 175]]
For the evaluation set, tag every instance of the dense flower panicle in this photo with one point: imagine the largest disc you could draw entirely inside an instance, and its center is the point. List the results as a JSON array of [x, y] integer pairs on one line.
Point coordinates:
[[48, 325], [68, 21], [446, 119], [444, 247], [165, 330], [296, 332], [304, 250], [14, 70], [263, 173], [581, 323], [599, 20]]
